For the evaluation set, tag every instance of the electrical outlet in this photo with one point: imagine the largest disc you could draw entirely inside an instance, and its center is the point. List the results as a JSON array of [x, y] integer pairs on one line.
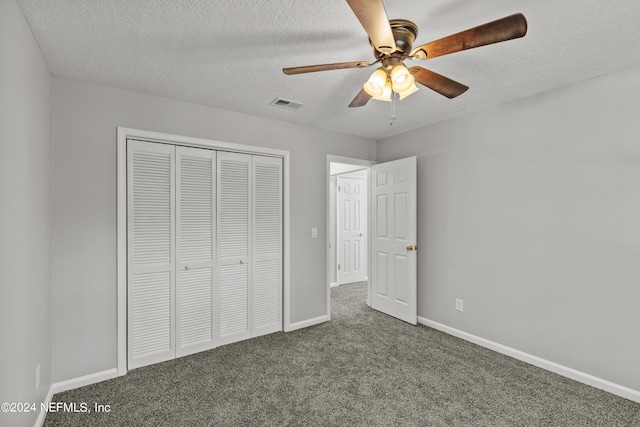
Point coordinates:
[[459, 305], [37, 377], [314, 233]]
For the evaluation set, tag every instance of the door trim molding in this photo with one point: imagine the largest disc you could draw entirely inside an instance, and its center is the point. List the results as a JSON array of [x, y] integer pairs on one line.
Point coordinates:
[[123, 134]]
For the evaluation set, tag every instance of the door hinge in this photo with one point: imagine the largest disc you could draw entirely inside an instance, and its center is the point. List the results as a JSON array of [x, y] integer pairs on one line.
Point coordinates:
[[338, 266], [338, 188]]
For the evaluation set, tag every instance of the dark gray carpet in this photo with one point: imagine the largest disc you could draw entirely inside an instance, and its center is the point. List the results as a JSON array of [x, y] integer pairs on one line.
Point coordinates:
[[362, 368]]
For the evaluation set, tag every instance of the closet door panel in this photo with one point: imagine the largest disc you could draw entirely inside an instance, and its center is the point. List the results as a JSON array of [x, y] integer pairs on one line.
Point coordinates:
[[150, 320], [233, 220], [195, 250], [267, 245], [195, 315], [234, 297], [266, 297], [150, 253]]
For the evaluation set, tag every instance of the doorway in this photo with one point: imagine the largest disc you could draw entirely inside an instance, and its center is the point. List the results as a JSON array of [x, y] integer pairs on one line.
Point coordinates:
[[348, 222], [391, 231]]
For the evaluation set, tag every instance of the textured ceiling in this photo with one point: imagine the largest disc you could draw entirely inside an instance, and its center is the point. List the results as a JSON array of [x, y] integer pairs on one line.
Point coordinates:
[[230, 53]]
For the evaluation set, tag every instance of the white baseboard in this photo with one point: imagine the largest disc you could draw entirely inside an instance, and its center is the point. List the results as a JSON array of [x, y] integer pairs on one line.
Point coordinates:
[[333, 285], [307, 323], [43, 414], [548, 365], [61, 386]]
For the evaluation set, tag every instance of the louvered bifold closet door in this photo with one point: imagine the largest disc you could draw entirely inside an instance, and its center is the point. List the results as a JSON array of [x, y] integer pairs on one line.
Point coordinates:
[[195, 250], [150, 253], [267, 245], [234, 215]]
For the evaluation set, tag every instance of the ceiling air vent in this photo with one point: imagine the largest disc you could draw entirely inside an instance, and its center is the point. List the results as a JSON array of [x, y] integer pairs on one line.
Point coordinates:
[[285, 103]]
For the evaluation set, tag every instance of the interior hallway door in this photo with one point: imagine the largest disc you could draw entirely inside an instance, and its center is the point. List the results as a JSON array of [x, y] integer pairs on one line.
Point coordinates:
[[352, 241], [394, 249]]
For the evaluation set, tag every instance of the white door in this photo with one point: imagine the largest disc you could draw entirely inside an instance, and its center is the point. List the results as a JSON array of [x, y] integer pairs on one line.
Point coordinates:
[[351, 229], [195, 250], [394, 229], [150, 253], [234, 239], [266, 258]]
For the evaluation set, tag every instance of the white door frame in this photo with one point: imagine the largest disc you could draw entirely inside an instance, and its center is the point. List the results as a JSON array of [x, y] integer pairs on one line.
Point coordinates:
[[352, 161], [121, 221]]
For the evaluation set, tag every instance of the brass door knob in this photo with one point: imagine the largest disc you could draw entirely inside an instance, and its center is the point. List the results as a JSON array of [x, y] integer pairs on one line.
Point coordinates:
[[412, 248]]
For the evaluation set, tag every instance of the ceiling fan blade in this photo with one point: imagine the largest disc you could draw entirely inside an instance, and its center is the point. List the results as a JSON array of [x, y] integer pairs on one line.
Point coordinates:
[[361, 99], [325, 67], [439, 83], [373, 18], [508, 28]]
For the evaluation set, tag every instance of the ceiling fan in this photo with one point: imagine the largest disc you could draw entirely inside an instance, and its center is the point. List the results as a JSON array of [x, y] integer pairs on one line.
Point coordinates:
[[392, 42]]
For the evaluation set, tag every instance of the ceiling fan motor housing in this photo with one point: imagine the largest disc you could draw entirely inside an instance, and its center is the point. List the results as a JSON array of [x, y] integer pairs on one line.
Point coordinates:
[[404, 33]]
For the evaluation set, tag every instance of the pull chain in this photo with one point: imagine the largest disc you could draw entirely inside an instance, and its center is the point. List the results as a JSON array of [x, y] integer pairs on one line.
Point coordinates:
[[394, 97]]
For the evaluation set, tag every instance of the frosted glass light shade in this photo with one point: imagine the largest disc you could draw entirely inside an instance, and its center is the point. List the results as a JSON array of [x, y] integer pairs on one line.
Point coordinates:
[[386, 93], [412, 89], [401, 78], [376, 83]]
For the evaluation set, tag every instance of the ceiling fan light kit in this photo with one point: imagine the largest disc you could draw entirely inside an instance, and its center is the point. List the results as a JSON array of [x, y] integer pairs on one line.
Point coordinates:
[[392, 43]]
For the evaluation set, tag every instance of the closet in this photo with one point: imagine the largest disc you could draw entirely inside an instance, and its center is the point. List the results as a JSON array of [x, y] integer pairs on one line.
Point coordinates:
[[204, 249]]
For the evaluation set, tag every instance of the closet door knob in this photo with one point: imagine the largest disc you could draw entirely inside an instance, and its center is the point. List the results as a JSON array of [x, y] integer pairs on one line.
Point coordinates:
[[186, 267]]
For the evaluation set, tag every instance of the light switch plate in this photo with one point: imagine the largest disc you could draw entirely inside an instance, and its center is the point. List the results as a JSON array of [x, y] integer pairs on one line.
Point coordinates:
[[314, 233]]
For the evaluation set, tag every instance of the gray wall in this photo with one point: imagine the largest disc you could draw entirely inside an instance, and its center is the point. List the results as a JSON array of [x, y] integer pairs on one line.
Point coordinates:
[[25, 216], [530, 212], [84, 262]]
